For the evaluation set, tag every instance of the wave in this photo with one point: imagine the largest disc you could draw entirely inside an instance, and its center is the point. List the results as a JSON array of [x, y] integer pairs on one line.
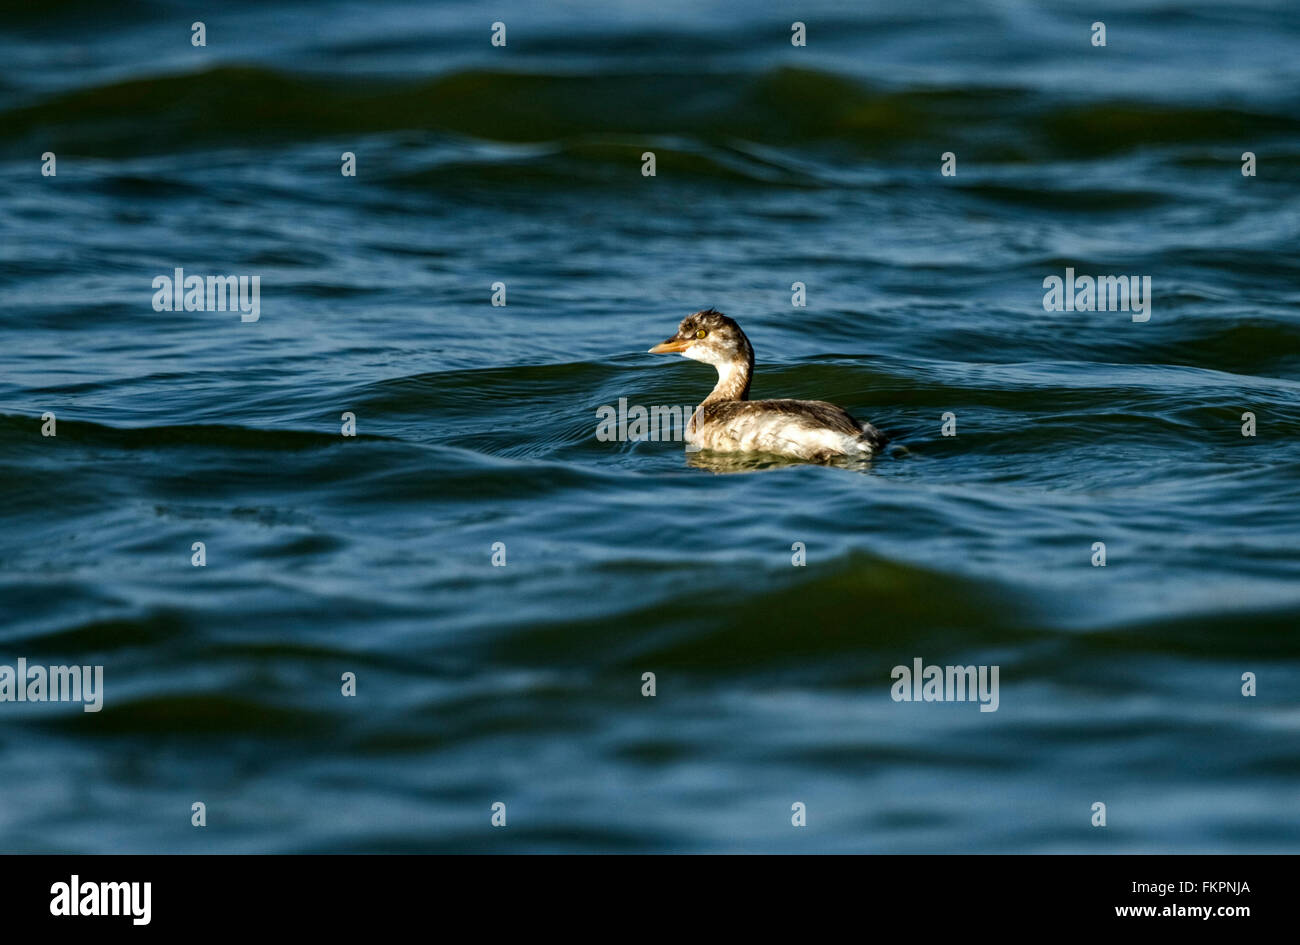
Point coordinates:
[[788, 107], [217, 436]]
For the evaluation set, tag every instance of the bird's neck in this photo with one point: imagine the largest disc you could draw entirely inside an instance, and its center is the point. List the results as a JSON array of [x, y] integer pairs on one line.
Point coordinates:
[[733, 380]]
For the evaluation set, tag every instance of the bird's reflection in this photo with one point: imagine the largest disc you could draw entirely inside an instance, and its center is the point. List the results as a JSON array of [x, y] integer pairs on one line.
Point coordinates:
[[724, 462]]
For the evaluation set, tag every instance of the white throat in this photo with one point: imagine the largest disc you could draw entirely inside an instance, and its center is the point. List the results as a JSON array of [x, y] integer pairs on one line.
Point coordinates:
[[733, 376]]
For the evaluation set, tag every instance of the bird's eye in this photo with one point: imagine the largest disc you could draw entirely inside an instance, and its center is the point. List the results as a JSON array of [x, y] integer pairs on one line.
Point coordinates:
[[700, 333]]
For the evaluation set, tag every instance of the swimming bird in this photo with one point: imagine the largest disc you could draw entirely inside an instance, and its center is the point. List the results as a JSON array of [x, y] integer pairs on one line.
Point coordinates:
[[728, 421]]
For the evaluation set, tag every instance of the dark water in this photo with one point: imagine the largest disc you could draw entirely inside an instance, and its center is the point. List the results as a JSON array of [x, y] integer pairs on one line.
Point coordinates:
[[522, 684]]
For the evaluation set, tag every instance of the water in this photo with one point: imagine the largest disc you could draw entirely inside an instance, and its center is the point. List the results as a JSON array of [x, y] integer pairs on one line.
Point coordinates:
[[476, 425]]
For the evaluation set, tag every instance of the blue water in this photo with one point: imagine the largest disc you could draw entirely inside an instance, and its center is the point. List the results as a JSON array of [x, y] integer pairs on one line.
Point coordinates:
[[476, 425]]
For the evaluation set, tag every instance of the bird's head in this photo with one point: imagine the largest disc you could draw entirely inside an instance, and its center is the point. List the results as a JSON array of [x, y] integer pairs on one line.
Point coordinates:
[[708, 336]]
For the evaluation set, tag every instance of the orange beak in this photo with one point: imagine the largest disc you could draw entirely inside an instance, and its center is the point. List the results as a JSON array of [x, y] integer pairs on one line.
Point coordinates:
[[672, 345]]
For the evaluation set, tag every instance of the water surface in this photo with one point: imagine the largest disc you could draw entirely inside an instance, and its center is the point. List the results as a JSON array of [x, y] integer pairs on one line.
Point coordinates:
[[476, 425]]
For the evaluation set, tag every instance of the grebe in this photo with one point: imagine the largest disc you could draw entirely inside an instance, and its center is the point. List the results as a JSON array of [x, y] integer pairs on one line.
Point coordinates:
[[728, 421]]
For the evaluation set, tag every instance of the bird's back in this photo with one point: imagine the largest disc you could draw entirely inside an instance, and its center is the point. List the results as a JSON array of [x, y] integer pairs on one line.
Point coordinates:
[[811, 429]]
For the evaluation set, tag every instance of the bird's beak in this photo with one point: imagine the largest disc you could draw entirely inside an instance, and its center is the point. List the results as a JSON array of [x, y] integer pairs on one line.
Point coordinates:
[[672, 345]]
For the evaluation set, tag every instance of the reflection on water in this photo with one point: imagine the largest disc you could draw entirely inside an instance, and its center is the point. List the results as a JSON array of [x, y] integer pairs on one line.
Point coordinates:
[[723, 462]]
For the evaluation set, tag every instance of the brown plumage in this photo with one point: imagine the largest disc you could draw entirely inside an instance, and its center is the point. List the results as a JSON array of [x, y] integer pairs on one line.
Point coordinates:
[[729, 421]]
